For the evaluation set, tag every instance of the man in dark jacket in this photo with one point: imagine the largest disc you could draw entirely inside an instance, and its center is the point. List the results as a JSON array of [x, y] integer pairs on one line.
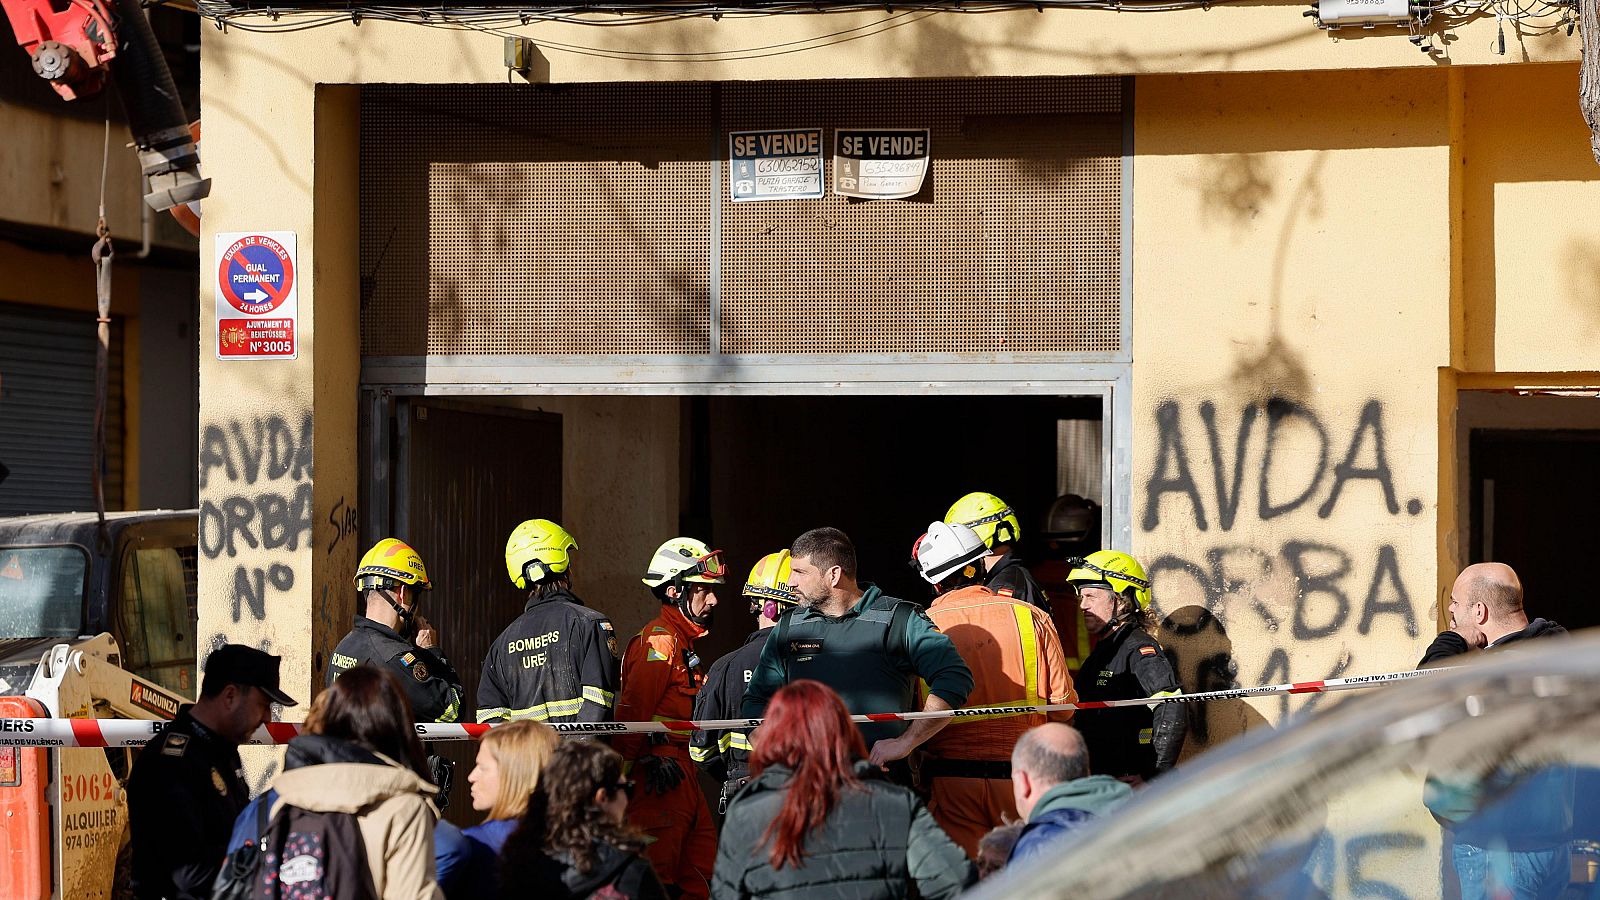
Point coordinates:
[[725, 755], [1053, 788], [1515, 823], [1486, 614], [869, 647], [188, 784], [557, 662], [996, 523], [393, 635]]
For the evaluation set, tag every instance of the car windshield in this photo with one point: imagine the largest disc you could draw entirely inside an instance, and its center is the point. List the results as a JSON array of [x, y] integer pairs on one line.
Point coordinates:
[[41, 591], [1486, 774]]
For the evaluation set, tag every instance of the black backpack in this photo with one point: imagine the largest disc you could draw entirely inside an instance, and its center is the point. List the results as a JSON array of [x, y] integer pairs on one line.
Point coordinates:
[[311, 855], [302, 854]]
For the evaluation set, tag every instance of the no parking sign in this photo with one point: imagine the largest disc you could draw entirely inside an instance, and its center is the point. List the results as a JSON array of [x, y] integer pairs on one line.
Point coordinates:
[[257, 301]]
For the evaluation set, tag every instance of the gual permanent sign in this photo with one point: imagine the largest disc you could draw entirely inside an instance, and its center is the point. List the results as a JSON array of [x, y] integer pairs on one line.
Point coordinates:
[[257, 301], [775, 165], [879, 163]]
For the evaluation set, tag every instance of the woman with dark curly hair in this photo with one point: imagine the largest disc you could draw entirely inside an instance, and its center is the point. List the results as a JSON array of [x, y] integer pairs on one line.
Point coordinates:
[[573, 835]]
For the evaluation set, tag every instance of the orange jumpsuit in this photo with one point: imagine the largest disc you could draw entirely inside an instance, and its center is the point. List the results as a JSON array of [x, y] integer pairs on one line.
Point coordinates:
[[1016, 660], [659, 684]]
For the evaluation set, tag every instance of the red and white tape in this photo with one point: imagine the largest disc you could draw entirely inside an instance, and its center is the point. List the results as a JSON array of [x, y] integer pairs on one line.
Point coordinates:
[[137, 732]]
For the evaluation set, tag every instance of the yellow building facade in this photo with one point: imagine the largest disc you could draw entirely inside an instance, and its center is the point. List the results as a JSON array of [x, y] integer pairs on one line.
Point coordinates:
[[1345, 273]]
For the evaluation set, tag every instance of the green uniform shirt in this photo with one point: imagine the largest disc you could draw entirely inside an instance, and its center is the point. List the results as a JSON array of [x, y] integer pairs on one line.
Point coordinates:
[[854, 655]]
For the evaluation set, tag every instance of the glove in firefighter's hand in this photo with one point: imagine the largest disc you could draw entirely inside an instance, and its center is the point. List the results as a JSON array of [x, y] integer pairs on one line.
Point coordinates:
[[661, 774]]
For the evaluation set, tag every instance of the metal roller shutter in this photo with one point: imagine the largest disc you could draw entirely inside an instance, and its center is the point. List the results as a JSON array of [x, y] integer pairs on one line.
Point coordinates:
[[47, 411]]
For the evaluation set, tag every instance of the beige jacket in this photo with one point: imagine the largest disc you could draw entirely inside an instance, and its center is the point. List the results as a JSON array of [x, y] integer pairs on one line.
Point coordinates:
[[391, 806]]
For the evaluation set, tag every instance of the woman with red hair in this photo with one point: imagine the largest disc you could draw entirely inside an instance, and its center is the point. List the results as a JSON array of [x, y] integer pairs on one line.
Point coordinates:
[[817, 820]]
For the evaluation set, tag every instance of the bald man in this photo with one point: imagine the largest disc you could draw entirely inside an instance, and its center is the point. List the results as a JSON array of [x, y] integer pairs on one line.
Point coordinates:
[[1053, 788], [1516, 847], [1485, 614]]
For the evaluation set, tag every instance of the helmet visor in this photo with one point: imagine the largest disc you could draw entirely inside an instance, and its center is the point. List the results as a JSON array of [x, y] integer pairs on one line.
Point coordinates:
[[710, 565], [1106, 574]]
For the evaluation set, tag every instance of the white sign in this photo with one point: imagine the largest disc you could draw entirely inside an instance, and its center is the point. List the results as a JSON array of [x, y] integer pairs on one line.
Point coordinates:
[[775, 165], [879, 163], [257, 295]]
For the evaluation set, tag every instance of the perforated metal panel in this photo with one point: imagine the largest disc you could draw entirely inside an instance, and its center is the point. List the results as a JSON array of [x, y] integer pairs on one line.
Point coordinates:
[[577, 219], [535, 219], [1012, 246]]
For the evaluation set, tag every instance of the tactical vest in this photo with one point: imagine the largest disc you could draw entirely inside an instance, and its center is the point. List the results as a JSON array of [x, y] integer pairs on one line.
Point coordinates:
[[862, 656]]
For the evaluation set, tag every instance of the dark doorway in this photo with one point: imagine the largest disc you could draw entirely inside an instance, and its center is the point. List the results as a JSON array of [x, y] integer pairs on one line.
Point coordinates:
[[1534, 497], [880, 468], [468, 476]]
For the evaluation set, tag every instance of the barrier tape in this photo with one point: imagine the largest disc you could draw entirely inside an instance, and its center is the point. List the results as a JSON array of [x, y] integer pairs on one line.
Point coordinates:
[[137, 732]]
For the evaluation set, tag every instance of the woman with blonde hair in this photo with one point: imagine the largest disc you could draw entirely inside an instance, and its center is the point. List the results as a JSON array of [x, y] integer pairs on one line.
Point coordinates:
[[510, 758]]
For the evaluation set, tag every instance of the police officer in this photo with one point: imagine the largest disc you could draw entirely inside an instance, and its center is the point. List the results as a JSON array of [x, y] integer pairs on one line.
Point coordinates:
[[870, 648], [996, 523], [187, 785], [725, 755], [557, 662], [660, 676], [1133, 743], [393, 635]]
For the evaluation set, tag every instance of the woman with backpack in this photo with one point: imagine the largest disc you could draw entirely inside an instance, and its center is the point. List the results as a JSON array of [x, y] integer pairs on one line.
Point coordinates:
[[816, 820], [572, 841], [350, 816]]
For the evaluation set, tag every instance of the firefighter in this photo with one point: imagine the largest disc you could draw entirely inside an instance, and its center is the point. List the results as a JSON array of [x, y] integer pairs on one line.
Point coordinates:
[[393, 635], [1131, 743], [557, 662], [725, 755], [660, 676], [1016, 660], [996, 525]]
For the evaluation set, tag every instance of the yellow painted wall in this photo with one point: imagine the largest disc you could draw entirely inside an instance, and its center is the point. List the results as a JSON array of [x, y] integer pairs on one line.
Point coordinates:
[[1531, 249], [1291, 287]]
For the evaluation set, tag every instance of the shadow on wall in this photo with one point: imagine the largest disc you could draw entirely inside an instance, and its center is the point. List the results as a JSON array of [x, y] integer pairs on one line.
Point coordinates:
[[1202, 654]]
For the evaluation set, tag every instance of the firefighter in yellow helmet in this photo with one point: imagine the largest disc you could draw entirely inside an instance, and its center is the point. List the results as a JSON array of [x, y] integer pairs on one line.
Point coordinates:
[[1134, 743], [660, 677], [557, 662], [725, 755], [996, 525], [389, 633]]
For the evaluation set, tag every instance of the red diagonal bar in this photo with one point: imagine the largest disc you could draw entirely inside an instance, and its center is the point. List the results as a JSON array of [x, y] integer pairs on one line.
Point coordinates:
[[283, 732], [1307, 687], [87, 733]]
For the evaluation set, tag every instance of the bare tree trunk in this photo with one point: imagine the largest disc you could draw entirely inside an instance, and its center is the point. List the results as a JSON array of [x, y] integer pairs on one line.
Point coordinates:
[[1589, 77]]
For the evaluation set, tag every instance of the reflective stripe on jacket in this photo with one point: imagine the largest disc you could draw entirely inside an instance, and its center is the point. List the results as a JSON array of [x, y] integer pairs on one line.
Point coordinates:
[[554, 663], [1015, 657], [660, 677]]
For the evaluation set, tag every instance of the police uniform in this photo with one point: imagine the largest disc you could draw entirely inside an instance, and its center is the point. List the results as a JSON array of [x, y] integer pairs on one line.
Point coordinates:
[[872, 656], [186, 788], [1131, 740], [557, 662], [725, 755], [432, 686]]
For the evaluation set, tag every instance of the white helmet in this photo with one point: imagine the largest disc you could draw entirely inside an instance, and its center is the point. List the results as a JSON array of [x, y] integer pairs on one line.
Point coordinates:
[[946, 548]]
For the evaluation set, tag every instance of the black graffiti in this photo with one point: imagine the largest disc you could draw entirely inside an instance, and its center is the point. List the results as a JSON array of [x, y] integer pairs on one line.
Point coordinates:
[[1322, 603], [1277, 671], [267, 520], [343, 519], [250, 588], [1365, 459], [268, 441]]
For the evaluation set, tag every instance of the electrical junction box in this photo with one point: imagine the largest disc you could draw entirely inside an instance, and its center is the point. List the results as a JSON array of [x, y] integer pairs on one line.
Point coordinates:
[[1359, 13]]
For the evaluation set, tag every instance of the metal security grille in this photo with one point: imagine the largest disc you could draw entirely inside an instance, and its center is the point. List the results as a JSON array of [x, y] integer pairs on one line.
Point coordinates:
[[1013, 245], [47, 369], [578, 219], [513, 219]]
